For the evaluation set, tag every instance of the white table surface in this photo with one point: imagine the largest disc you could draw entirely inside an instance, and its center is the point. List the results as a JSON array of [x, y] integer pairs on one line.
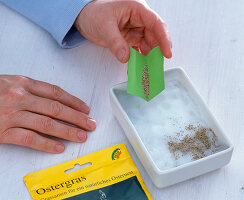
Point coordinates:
[[208, 42]]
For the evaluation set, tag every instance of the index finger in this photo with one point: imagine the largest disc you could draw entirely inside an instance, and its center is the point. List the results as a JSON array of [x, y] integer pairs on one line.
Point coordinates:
[[56, 93], [158, 27]]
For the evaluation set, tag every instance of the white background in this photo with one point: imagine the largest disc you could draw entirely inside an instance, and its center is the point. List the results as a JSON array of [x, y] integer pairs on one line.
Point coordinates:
[[208, 42]]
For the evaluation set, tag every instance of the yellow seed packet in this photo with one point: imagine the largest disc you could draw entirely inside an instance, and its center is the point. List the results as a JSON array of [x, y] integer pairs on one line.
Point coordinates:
[[112, 175]]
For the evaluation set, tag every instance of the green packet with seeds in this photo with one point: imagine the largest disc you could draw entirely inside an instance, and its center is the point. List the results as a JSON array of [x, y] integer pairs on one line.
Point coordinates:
[[146, 74]]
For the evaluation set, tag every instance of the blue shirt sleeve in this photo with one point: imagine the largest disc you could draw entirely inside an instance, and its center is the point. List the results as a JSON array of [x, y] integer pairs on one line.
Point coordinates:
[[55, 16]]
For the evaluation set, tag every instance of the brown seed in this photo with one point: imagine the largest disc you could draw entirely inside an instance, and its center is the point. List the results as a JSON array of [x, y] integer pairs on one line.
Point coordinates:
[[145, 81]]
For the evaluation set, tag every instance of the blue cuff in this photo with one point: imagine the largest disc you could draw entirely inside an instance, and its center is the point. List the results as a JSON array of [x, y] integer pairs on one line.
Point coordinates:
[[63, 30], [72, 39], [55, 16]]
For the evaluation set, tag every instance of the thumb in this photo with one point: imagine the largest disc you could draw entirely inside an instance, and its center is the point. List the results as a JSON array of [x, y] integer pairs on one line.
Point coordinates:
[[115, 42]]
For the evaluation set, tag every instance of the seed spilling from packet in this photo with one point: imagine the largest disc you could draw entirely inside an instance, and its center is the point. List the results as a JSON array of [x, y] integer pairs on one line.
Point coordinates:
[[146, 74], [145, 82]]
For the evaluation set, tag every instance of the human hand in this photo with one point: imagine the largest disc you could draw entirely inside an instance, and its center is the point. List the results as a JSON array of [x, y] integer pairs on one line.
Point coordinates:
[[28, 106], [118, 24]]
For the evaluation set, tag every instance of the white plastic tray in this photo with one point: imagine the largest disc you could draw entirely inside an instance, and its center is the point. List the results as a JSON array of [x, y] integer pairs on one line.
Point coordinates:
[[186, 171]]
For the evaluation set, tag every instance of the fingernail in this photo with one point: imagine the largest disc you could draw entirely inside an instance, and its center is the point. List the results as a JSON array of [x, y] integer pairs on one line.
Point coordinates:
[[121, 54], [91, 123], [85, 108], [81, 135], [59, 147]]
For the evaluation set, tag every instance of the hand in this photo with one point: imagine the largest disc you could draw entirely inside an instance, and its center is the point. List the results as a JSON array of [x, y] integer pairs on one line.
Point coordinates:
[[118, 24], [29, 107]]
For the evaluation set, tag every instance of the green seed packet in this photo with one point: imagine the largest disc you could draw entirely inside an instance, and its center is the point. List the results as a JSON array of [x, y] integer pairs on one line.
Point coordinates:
[[146, 74]]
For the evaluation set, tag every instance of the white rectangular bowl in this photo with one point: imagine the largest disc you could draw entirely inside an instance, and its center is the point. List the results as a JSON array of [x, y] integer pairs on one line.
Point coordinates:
[[186, 171]]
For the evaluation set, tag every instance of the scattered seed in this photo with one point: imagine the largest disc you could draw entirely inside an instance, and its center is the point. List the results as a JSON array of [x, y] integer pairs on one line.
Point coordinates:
[[202, 139]]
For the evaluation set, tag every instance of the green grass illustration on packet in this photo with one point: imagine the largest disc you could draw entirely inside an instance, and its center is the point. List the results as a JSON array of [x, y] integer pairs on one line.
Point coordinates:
[[145, 74]]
